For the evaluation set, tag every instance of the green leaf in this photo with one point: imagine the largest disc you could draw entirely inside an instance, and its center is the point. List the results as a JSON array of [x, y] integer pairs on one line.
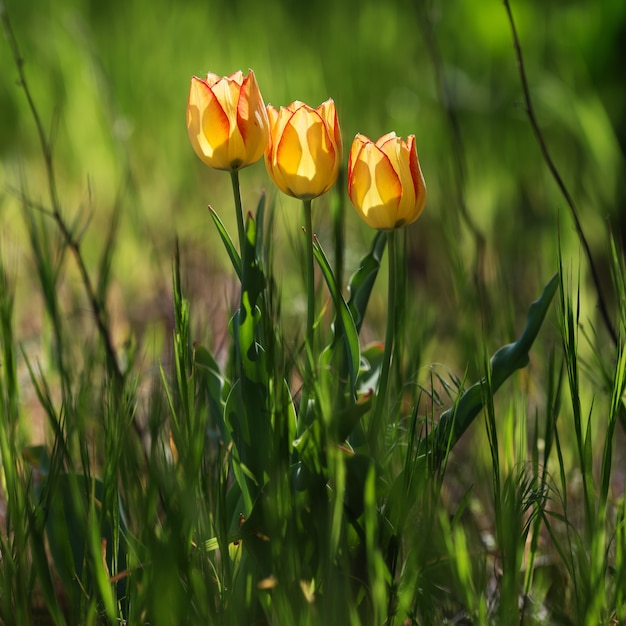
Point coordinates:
[[286, 416], [247, 408], [348, 418], [346, 328], [252, 280], [371, 364], [228, 242], [362, 281], [455, 421], [211, 388], [310, 447], [236, 420], [358, 467]]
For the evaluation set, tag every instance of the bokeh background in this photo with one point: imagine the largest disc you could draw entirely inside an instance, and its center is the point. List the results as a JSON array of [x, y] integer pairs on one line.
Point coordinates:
[[110, 80]]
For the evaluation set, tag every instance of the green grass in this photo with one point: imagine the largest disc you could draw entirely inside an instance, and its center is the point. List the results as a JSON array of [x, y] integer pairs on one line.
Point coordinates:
[[178, 480]]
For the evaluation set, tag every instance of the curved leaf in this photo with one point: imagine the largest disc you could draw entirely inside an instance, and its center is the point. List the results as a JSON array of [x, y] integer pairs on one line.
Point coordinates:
[[455, 421], [346, 327], [362, 281], [228, 242]]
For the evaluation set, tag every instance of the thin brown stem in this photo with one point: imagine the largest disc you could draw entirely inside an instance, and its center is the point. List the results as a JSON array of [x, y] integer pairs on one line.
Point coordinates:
[[530, 111], [71, 241]]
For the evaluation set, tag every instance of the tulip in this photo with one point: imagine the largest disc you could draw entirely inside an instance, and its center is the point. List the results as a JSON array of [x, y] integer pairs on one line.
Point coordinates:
[[304, 152], [227, 120], [385, 181]]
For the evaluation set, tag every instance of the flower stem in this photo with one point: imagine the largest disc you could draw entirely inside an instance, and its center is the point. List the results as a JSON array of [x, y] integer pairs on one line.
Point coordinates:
[[310, 313], [310, 276], [234, 177], [383, 384]]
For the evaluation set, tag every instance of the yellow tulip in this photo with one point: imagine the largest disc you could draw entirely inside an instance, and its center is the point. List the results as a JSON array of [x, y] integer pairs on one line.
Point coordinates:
[[304, 152], [227, 120], [385, 181]]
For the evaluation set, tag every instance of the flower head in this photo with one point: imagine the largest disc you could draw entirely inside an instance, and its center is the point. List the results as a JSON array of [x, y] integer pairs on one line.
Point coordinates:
[[385, 181], [304, 152], [227, 120]]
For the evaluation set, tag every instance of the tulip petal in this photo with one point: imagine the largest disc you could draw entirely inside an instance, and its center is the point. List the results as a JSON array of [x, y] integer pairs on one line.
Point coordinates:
[[375, 188], [355, 150], [226, 120], [287, 160], [272, 116], [385, 138], [385, 182], [328, 112], [207, 123], [413, 186], [303, 156], [228, 92], [418, 179], [237, 77], [403, 156], [212, 78], [323, 152], [398, 152], [252, 121]]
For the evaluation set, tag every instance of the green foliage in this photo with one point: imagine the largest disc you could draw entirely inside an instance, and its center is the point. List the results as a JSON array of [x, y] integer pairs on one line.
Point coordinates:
[[455, 421], [212, 492]]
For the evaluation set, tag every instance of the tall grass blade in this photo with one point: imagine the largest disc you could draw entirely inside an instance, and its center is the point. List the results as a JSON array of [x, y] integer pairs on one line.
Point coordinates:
[[228, 243]]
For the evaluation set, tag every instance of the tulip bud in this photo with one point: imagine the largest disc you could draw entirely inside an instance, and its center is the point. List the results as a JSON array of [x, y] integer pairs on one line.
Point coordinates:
[[304, 153], [227, 120], [385, 181]]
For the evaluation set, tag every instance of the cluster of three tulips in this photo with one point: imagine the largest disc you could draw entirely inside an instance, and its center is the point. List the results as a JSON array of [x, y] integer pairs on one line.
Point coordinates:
[[230, 127]]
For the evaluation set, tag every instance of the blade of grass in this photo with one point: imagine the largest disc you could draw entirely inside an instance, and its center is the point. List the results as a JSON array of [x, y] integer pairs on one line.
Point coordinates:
[[234, 256]]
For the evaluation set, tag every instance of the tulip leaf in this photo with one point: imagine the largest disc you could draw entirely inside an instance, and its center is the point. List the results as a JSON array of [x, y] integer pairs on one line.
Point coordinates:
[[211, 388], [455, 421], [346, 328], [348, 418], [362, 281], [252, 280], [234, 414], [358, 467], [247, 408], [227, 241], [310, 448], [371, 364]]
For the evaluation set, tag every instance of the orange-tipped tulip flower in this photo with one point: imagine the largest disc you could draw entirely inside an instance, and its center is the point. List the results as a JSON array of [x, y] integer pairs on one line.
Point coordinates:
[[385, 181], [227, 120], [304, 152]]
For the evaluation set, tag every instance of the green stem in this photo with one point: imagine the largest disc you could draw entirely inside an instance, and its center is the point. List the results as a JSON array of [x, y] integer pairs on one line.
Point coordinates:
[[383, 385], [310, 276], [310, 313], [234, 177]]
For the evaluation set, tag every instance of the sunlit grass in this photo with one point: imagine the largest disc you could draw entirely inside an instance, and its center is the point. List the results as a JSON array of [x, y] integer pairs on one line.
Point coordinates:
[[210, 511]]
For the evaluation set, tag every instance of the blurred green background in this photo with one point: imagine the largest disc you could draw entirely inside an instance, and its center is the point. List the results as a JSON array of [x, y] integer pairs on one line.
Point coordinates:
[[111, 80]]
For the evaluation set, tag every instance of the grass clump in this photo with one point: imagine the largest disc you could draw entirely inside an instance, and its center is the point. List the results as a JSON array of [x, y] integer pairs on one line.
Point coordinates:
[[305, 474]]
